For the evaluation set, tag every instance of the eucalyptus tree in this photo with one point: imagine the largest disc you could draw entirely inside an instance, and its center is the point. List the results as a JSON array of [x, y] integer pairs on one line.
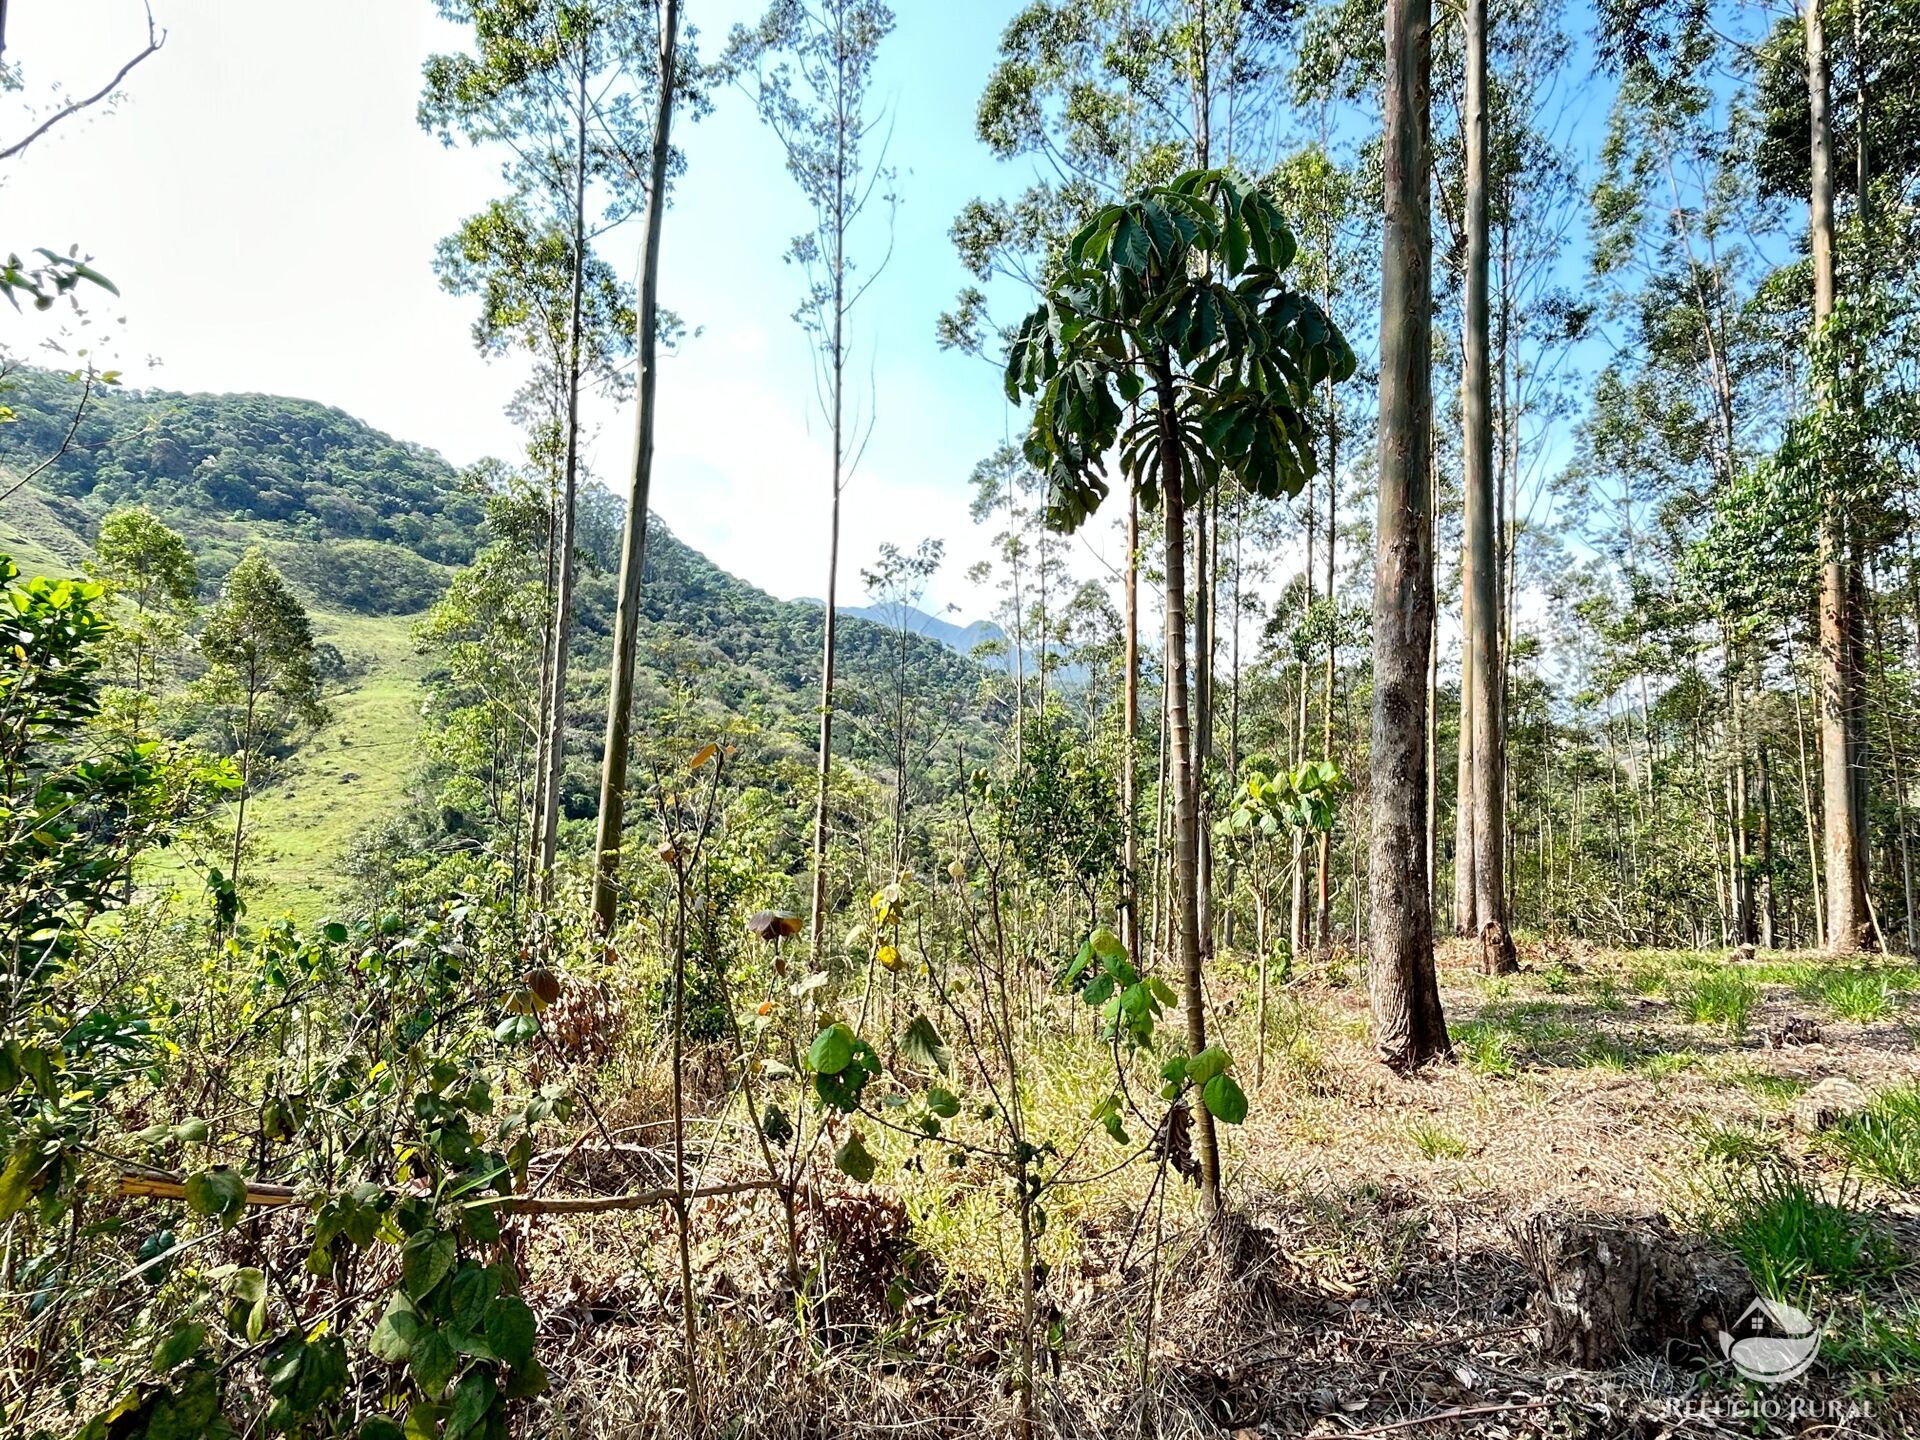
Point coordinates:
[[148, 569], [897, 583], [1536, 203], [486, 633], [1694, 396], [1004, 487], [1842, 707], [258, 645], [559, 86], [1480, 601], [1339, 254], [1858, 437], [1409, 1027], [671, 74], [808, 69], [1175, 305]]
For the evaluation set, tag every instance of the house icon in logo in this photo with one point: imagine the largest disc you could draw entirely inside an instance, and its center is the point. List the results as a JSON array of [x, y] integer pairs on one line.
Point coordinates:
[[1790, 1345]]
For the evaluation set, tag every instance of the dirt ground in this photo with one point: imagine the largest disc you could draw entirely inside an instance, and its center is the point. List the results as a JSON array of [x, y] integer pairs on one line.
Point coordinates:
[[1406, 1257]]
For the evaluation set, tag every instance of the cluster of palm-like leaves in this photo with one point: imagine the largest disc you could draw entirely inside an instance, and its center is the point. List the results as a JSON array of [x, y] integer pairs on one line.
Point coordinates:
[[1176, 296]]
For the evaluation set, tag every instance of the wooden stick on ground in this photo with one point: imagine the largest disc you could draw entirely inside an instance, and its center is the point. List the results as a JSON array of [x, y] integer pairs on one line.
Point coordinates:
[[157, 1185], [1460, 1413]]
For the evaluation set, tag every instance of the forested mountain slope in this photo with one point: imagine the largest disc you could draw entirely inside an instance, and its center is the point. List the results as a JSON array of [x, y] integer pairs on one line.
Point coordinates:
[[290, 468], [370, 530], [366, 523]]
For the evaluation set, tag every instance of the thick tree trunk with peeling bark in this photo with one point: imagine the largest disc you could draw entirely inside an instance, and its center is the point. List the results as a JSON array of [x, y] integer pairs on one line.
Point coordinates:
[[1409, 1028]]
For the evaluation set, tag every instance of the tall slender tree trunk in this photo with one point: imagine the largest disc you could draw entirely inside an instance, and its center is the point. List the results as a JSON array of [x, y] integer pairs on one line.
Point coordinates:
[[1737, 809], [1204, 622], [1205, 561], [1233, 707], [1301, 931], [633, 551], [1016, 530], [1806, 799], [1409, 1028], [837, 361], [1130, 726], [543, 725], [1899, 784], [1769, 898], [1433, 765], [1483, 639], [1848, 923], [1464, 893], [1185, 926], [1323, 881], [569, 514], [246, 778]]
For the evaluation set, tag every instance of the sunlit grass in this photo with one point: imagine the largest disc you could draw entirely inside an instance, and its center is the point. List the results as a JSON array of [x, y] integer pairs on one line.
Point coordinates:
[[1665, 1063], [1884, 1140], [1777, 1090], [338, 780], [1484, 1047], [1435, 1143], [1735, 1142], [1720, 997], [1858, 995], [1790, 1233]]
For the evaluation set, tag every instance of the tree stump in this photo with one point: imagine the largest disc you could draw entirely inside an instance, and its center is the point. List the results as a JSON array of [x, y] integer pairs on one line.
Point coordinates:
[[1613, 1285], [1496, 950]]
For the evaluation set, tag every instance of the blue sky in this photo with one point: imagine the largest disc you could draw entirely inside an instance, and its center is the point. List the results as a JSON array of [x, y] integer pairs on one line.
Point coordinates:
[[269, 208]]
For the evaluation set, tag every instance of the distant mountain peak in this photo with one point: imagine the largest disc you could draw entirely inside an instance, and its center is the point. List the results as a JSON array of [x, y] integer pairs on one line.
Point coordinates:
[[896, 615]]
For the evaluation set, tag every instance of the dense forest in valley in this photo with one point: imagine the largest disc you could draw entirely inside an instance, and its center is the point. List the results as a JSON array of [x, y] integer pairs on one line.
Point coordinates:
[[1391, 912]]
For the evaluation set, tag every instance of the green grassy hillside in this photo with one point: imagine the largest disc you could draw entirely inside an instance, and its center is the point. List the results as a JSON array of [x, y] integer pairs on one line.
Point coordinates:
[[39, 532], [368, 529], [353, 771]]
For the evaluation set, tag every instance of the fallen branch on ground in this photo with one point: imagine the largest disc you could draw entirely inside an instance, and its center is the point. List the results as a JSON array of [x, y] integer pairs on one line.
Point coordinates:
[[1460, 1413], [157, 1185]]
